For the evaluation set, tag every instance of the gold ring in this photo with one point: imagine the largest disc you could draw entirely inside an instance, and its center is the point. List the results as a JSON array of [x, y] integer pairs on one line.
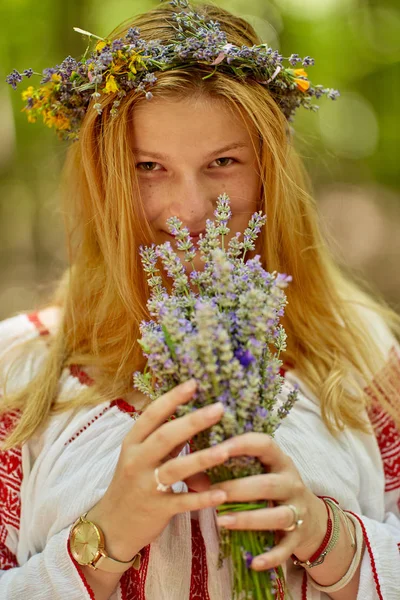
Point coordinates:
[[297, 522]]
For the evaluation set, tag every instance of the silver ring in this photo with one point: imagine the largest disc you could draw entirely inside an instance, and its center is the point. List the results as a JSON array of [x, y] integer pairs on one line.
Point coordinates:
[[160, 486], [297, 522]]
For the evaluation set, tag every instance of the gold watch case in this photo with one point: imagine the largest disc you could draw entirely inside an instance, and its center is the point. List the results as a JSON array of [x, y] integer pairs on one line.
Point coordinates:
[[86, 542]]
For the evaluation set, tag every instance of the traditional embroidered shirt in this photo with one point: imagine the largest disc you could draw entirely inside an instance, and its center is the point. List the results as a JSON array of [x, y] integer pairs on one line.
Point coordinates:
[[65, 469]]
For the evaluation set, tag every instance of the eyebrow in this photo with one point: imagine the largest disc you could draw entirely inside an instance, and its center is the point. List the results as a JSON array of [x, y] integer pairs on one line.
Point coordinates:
[[159, 156]]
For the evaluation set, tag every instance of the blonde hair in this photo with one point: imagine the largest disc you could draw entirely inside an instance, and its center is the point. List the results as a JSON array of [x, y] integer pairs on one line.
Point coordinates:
[[103, 293]]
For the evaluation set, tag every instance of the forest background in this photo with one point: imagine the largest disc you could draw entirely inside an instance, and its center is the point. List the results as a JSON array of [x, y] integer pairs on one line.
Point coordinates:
[[351, 146]]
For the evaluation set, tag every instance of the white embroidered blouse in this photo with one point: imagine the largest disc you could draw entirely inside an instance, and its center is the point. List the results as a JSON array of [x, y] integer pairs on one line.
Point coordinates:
[[63, 471]]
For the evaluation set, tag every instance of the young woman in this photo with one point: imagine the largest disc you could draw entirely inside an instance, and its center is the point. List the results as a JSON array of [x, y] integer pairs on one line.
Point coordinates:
[[80, 459]]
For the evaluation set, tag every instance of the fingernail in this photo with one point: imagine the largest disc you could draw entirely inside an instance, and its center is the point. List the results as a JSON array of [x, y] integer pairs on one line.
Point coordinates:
[[259, 563], [189, 386], [214, 409], [226, 520]]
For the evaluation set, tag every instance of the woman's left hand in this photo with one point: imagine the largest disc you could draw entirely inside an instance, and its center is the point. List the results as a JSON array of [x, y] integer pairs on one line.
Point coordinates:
[[283, 485]]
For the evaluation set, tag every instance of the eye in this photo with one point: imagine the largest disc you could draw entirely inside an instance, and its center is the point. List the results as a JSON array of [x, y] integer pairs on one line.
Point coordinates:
[[224, 161], [148, 166]]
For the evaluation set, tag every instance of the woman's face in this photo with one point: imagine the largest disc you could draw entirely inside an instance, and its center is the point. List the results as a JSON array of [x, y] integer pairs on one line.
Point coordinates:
[[188, 152]]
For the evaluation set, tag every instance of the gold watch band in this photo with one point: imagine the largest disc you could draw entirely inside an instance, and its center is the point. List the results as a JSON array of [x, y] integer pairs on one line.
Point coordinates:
[[106, 563]]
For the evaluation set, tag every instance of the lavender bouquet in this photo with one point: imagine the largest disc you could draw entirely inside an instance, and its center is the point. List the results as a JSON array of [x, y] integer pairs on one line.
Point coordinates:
[[228, 337]]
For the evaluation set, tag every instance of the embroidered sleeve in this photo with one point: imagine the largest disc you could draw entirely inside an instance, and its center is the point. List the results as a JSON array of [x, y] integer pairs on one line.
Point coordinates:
[[48, 574]]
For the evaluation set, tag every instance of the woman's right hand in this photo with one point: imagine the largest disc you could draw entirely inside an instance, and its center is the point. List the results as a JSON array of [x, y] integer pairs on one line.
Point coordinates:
[[132, 513]]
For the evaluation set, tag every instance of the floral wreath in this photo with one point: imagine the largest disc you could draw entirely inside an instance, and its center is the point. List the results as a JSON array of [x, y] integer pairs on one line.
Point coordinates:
[[131, 63]]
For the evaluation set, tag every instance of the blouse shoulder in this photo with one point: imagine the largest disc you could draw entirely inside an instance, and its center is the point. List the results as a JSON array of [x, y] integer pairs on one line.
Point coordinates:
[[24, 342]]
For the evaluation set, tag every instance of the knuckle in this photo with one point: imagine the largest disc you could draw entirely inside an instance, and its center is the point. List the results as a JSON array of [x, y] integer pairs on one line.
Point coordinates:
[[203, 460], [128, 466], [284, 519], [298, 487], [289, 462], [161, 435]]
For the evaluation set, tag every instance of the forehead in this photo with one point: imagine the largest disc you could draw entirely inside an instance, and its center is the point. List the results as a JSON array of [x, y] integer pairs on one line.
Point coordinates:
[[196, 122]]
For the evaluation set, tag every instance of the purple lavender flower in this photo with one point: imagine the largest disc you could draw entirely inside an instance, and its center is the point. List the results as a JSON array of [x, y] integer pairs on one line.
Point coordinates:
[[68, 65], [133, 34], [28, 73], [245, 357], [248, 558], [282, 280], [150, 78], [308, 61], [117, 45], [333, 94], [106, 58], [262, 412], [294, 59], [14, 78], [47, 73]]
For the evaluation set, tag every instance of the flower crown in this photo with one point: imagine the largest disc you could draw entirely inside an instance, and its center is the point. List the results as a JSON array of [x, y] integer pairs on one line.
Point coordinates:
[[130, 63]]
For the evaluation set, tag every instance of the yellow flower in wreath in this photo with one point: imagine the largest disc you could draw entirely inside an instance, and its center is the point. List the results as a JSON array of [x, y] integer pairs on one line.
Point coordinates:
[[111, 85], [302, 84]]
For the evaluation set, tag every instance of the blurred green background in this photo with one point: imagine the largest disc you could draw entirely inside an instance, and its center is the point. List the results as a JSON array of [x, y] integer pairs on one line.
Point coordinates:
[[351, 146]]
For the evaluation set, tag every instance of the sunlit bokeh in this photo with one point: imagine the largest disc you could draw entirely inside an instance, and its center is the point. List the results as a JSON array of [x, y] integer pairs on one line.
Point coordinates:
[[350, 127]]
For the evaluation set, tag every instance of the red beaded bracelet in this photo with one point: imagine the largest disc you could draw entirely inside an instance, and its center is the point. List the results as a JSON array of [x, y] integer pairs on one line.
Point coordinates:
[[314, 560]]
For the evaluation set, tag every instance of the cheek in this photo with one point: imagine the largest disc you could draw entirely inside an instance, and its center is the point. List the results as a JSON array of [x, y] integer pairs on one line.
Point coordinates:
[[152, 199], [244, 192]]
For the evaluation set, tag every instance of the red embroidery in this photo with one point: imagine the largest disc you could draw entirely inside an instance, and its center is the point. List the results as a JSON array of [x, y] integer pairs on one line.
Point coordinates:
[[279, 588], [124, 406], [10, 487], [133, 581], [304, 586], [78, 433], [371, 556], [199, 576], [81, 575], [34, 318], [81, 375], [387, 434]]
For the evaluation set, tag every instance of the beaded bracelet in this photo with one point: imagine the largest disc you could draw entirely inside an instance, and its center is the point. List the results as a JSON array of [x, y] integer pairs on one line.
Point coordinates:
[[348, 576], [334, 503], [329, 542]]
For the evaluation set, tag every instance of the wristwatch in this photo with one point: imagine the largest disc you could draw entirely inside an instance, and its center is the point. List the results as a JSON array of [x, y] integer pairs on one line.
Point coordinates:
[[87, 545]]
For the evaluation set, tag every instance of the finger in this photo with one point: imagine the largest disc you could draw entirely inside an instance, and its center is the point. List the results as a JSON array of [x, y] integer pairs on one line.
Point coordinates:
[[165, 438], [277, 556], [261, 446], [159, 411], [182, 467], [190, 501], [263, 519], [268, 486]]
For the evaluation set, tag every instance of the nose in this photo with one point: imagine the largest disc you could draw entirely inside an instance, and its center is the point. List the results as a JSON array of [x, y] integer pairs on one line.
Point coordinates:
[[192, 202]]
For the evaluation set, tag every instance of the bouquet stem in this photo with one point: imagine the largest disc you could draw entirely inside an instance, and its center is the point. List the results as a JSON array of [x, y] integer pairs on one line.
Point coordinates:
[[242, 546]]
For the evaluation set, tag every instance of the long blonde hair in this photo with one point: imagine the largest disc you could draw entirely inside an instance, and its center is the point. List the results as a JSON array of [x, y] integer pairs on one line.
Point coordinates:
[[103, 293]]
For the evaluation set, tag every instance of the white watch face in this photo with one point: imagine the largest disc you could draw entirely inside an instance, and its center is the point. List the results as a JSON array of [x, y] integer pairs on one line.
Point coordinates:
[[85, 543]]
